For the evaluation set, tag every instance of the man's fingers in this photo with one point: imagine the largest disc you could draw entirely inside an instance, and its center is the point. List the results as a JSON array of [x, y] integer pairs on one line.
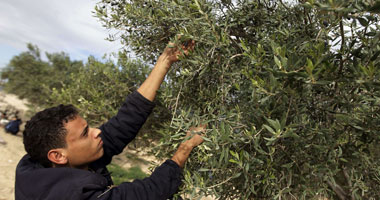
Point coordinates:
[[189, 45], [192, 45], [203, 126]]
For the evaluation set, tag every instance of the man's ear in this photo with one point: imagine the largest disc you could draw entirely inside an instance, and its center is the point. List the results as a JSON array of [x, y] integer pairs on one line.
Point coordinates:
[[57, 156]]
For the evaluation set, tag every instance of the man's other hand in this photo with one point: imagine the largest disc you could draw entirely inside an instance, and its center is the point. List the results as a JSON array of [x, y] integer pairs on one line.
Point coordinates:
[[185, 148], [196, 135]]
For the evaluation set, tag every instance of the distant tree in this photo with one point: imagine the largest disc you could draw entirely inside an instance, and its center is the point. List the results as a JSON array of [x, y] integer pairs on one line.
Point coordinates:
[[28, 76], [289, 89]]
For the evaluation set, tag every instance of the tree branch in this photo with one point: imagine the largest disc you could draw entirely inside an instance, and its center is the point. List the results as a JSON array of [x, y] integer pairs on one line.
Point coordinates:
[[338, 190], [286, 7], [347, 177], [343, 41], [342, 46]]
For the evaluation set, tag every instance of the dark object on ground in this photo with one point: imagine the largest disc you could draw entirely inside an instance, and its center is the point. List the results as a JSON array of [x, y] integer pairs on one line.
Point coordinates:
[[13, 126]]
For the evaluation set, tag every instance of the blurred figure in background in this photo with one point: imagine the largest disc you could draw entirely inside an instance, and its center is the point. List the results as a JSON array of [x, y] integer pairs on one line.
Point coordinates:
[[13, 126]]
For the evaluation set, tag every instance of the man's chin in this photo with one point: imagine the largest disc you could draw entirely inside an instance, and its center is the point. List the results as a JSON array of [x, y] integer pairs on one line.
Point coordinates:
[[101, 153]]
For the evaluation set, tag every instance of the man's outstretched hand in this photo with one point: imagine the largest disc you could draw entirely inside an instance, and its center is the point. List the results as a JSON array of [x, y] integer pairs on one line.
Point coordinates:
[[173, 51], [171, 54]]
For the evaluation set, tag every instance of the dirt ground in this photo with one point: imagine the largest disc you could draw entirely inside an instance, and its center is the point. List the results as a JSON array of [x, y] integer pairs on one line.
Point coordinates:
[[11, 148], [11, 153]]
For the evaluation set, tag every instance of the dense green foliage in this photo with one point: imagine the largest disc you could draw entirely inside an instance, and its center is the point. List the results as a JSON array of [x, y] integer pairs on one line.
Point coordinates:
[[290, 92]]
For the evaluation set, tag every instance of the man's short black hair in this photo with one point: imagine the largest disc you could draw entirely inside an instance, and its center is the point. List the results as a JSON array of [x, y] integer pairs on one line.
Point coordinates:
[[46, 131]]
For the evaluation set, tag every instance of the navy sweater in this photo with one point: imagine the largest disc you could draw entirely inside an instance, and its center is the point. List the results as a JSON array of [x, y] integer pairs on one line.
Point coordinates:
[[33, 181]]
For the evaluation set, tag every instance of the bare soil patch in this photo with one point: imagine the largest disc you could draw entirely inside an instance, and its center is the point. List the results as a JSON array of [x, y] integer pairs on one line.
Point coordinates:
[[11, 153]]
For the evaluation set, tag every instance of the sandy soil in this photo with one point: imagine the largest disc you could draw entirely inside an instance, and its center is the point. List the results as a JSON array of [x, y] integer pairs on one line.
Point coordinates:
[[11, 153], [13, 100], [11, 149]]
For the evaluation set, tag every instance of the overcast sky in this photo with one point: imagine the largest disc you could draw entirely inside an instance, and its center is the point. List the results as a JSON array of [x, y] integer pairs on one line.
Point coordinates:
[[54, 26]]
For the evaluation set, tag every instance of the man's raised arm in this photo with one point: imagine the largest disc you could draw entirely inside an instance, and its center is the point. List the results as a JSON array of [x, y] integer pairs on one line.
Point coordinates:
[[164, 181]]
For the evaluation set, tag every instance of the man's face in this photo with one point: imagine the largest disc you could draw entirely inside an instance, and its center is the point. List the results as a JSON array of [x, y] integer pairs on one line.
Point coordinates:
[[84, 144]]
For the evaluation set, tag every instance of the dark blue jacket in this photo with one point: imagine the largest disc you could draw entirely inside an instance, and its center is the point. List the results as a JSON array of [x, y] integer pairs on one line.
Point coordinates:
[[33, 181]]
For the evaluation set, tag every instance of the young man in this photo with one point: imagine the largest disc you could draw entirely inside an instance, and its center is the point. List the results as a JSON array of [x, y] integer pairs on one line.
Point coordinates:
[[67, 159]]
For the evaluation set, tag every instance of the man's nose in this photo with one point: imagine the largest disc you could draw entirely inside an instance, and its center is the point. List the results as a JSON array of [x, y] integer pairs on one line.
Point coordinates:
[[96, 132]]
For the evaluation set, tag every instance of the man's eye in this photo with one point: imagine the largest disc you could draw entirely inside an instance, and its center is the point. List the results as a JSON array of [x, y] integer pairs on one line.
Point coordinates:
[[85, 132]]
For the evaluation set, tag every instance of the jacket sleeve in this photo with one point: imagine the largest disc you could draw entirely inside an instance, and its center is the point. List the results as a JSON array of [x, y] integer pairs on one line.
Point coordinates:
[[161, 185], [123, 128]]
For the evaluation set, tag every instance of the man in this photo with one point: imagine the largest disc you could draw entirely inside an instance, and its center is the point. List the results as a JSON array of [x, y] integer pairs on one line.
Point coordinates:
[[67, 159]]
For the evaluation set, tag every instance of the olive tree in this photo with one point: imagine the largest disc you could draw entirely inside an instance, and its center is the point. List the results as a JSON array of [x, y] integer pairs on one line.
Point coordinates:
[[289, 90]]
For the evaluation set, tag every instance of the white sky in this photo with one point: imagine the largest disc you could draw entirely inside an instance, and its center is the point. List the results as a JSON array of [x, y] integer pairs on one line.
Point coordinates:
[[54, 26]]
